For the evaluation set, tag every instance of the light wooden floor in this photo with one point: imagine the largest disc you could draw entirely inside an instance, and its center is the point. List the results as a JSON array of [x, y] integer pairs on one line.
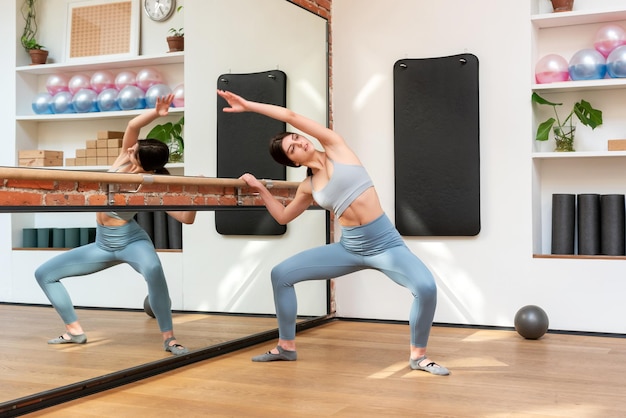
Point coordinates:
[[359, 369], [117, 340]]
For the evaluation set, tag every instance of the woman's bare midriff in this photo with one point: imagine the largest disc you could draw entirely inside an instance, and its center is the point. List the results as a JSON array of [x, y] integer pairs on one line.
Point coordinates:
[[104, 219], [363, 210]]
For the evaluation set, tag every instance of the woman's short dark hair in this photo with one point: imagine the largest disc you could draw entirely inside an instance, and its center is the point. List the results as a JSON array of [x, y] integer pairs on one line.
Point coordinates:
[[153, 155], [277, 152]]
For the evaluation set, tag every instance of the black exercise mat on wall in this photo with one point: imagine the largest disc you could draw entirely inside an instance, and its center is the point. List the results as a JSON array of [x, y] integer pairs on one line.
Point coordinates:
[[436, 146], [242, 147]]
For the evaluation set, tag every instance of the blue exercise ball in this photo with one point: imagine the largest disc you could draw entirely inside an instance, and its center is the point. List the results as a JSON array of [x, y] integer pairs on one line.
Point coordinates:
[[131, 97], [587, 64], [62, 103], [154, 92], [41, 103], [531, 322], [107, 100], [616, 62], [84, 100]]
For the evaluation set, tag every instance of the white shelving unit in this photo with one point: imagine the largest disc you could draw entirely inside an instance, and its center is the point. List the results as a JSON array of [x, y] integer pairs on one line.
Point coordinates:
[[592, 168]]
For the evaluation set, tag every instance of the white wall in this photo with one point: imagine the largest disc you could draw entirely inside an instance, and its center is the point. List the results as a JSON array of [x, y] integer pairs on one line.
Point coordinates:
[[484, 279]]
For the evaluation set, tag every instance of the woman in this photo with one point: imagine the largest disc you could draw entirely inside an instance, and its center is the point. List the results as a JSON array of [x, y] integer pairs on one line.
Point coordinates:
[[119, 239], [337, 181]]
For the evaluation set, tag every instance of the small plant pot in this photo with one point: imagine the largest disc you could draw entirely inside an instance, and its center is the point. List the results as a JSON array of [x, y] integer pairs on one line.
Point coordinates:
[[562, 5], [38, 56], [176, 43]]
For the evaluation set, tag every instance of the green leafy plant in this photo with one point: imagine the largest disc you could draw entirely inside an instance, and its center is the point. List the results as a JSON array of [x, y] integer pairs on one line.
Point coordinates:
[[29, 13], [170, 133], [564, 129], [179, 31]]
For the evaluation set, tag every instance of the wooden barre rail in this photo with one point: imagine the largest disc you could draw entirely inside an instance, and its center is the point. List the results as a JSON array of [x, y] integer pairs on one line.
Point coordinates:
[[20, 173]]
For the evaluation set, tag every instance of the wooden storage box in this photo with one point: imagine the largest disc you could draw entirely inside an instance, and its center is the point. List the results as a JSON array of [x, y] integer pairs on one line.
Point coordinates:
[[617, 144], [40, 158]]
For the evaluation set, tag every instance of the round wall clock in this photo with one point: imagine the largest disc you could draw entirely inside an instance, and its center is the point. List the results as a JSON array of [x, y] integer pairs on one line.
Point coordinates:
[[159, 10]]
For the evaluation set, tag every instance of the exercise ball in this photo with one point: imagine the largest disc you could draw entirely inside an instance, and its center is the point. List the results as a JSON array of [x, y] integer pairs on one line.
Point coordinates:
[[131, 97], [125, 78], [56, 83], [101, 80], [551, 68], [147, 307], [531, 322], [616, 62], [179, 95], [41, 103], [609, 37], [107, 100], [587, 64], [62, 103], [147, 78], [85, 101], [154, 92], [77, 82]]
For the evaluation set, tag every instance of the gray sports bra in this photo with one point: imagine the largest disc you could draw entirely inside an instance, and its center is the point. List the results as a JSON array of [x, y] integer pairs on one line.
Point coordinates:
[[347, 183], [123, 216]]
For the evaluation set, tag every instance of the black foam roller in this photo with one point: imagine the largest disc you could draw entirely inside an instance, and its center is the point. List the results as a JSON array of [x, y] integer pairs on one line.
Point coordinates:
[[174, 233], [588, 213], [160, 230], [612, 224], [563, 223]]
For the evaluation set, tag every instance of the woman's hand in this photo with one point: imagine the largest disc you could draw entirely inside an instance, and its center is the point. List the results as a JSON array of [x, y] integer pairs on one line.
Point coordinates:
[[251, 181], [163, 104], [237, 103]]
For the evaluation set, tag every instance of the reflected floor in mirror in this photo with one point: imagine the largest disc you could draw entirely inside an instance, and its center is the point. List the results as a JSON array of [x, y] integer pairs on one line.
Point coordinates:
[[118, 340]]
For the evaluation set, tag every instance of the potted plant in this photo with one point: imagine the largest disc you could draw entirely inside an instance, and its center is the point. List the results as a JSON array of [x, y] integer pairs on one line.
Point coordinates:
[[562, 5], [565, 130], [38, 54], [171, 134], [176, 41]]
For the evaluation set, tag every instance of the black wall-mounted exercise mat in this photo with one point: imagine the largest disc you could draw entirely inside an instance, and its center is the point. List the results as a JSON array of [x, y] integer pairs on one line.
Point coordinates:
[[436, 146], [242, 147]]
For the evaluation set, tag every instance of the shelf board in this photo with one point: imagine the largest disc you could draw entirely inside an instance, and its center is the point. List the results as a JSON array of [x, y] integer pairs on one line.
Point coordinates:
[[552, 20], [64, 117], [581, 85], [139, 61], [580, 257], [96, 167], [577, 154]]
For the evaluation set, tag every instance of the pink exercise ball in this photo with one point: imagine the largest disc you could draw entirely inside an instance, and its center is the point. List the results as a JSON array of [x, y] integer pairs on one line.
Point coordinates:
[[147, 78], [57, 83], [609, 37], [551, 68], [79, 81], [179, 95], [101, 80], [125, 78]]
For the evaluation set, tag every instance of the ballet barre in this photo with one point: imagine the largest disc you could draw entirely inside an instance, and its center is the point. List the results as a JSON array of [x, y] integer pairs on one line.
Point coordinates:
[[46, 190]]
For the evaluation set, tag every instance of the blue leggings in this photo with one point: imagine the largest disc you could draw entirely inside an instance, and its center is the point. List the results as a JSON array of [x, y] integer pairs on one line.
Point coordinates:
[[376, 245], [114, 245]]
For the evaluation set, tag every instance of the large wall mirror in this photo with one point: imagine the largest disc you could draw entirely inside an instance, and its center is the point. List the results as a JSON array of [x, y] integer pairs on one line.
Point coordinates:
[[219, 285]]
